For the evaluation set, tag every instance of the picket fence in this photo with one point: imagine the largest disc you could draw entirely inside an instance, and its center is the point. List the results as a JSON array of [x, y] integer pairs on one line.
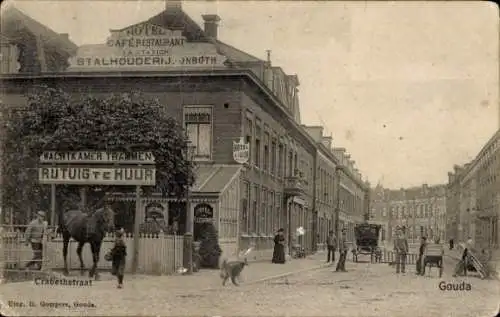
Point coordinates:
[[158, 253]]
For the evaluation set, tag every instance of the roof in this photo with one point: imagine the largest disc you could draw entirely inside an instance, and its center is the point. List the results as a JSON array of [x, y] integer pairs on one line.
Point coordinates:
[[14, 22], [178, 19], [214, 178], [236, 55]]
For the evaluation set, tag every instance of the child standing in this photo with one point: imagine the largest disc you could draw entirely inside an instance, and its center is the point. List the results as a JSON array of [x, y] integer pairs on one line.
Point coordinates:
[[118, 254]]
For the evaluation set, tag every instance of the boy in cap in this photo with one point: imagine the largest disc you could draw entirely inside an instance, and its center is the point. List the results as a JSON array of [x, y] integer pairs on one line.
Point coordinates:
[[34, 235], [118, 254]]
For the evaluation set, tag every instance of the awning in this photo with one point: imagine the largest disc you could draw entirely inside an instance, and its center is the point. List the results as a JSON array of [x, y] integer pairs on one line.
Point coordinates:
[[214, 178], [211, 181]]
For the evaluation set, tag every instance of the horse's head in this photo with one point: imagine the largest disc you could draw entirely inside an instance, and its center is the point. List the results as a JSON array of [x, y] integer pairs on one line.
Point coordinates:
[[105, 218]]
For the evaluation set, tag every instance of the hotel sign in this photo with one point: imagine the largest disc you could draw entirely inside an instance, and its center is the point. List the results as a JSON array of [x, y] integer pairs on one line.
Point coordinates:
[[97, 168], [241, 151], [146, 46]]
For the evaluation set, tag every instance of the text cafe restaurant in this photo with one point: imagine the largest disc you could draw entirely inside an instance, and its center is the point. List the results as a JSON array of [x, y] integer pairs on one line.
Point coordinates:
[[225, 104]]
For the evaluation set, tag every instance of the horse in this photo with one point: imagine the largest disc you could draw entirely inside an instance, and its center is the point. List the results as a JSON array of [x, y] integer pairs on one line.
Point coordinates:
[[85, 228]]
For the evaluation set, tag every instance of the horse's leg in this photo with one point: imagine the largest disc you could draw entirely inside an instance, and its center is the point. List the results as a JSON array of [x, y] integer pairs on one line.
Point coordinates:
[[65, 253], [79, 252], [96, 249]]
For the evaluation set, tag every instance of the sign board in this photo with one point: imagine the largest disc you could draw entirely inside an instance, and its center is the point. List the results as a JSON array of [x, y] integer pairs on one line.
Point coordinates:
[[241, 151], [203, 213], [97, 175], [97, 168], [97, 157], [146, 46]]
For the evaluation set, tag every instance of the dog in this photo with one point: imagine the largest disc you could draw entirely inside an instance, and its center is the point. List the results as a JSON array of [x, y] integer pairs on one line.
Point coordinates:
[[232, 269]]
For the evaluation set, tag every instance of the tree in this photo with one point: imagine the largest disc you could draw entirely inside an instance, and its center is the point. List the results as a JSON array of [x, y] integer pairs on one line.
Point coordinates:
[[55, 121], [210, 250]]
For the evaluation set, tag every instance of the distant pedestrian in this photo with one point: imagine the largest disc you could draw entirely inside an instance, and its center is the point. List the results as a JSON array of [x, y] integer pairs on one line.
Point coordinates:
[[118, 256], [342, 252], [469, 245], [331, 242], [420, 260], [451, 244], [401, 249], [279, 247], [34, 235]]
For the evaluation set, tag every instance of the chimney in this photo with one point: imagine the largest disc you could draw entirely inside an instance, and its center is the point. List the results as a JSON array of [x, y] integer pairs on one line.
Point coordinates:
[[173, 5], [211, 24], [64, 36]]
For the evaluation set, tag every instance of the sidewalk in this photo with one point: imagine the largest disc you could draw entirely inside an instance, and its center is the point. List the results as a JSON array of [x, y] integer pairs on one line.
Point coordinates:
[[255, 272]]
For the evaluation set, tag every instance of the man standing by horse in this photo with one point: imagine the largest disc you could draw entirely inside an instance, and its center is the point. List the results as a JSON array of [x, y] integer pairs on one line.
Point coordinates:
[[34, 235]]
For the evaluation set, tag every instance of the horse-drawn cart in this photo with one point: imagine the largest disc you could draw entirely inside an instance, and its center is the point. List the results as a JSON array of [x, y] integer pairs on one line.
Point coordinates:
[[433, 256], [367, 242]]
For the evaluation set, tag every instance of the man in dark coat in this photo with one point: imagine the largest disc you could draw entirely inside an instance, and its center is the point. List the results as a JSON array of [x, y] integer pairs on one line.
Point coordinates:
[[342, 252]]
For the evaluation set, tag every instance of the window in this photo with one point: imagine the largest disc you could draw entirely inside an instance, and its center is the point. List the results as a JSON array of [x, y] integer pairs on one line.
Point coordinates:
[[263, 213], [266, 152], [279, 218], [280, 164], [198, 125], [257, 158], [249, 137], [244, 207], [295, 166], [273, 157], [290, 164], [271, 225], [253, 214]]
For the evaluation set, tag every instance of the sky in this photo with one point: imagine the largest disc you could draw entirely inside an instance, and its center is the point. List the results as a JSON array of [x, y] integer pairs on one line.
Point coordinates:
[[408, 88]]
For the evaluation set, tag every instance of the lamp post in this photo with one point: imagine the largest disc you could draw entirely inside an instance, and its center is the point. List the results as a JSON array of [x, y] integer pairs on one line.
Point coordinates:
[[188, 235]]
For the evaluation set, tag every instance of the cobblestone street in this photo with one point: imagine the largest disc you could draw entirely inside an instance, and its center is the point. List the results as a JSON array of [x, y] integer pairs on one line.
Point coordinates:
[[365, 290]]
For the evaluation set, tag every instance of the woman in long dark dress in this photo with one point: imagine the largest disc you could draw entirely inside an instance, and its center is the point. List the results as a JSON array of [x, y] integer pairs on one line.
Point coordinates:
[[279, 247]]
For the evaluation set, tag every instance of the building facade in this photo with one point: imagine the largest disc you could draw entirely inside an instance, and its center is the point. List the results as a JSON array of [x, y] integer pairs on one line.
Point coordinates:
[[379, 209], [341, 196], [422, 210], [224, 97], [474, 188]]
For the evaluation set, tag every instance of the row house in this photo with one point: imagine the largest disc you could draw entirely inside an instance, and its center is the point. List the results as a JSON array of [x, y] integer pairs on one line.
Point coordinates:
[[352, 203], [341, 196], [473, 208], [421, 210]]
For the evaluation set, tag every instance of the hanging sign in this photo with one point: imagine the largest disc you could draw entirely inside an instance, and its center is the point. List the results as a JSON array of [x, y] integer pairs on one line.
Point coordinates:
[[241, 151], [146, 46]]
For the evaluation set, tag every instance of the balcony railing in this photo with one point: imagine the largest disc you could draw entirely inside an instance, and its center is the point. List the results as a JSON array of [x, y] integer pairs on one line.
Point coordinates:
[[294, 186]]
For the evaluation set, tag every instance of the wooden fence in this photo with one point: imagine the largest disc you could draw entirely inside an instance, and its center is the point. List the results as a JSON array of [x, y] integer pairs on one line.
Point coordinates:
[[158, 254]]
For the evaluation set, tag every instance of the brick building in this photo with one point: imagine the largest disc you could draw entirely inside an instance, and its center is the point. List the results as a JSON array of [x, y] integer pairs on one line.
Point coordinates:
[[473, 207], [422, 210], [222, 95], [341, 195], [379, 209]]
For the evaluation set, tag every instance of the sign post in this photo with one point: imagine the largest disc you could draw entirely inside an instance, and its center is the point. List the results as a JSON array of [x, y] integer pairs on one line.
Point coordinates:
[[135, 257], [99, 168]]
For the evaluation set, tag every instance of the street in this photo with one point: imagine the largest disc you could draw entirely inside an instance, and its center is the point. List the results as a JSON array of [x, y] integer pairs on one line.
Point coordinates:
[[365, 290]]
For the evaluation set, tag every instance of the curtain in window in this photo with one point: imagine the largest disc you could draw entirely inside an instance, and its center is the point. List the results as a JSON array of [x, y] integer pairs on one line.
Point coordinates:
[[205, 140]]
